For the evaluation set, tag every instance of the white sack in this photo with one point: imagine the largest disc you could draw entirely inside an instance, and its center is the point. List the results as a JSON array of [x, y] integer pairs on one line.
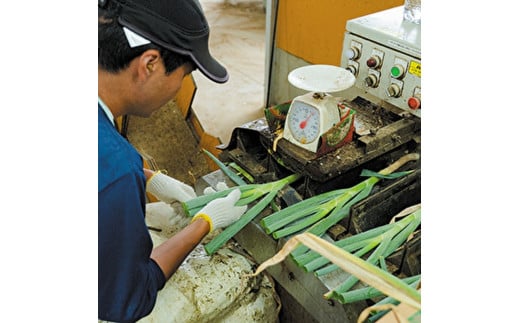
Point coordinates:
[[208, 288]]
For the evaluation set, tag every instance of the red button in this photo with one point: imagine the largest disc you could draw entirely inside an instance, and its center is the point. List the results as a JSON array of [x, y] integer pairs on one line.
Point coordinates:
[[414, 103], [372, 62]]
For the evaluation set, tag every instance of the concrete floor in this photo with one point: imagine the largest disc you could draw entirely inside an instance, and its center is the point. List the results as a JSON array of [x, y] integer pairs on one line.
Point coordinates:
[[237, 40]]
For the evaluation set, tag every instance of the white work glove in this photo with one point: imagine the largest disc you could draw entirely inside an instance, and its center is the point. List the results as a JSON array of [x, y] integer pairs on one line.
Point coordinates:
[[220, 187], [222, 212], [168, 189]]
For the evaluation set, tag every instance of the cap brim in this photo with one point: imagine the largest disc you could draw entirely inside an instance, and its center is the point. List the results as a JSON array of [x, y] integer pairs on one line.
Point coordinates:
[[208, 65]]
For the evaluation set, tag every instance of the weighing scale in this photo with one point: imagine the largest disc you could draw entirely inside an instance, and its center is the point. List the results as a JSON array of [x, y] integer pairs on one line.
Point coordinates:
[[316, 112]]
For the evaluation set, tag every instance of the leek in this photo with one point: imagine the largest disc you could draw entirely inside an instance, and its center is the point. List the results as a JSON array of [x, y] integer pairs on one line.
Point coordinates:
[[242, 172], [293, 212], [365, 293], [234, 177], [353, 242]]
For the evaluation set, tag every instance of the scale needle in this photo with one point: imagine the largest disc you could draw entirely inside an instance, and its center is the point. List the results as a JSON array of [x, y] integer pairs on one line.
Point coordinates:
[[303, 124]]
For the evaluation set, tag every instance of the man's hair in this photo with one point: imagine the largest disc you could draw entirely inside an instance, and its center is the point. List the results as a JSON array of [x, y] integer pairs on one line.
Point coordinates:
[[114, 52]]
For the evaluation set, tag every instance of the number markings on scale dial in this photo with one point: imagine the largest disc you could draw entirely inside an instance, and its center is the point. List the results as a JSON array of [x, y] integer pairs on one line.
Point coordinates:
[[304, 122]]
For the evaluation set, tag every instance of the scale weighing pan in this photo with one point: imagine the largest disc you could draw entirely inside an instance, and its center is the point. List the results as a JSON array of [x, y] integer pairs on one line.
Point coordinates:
[[321, 78]]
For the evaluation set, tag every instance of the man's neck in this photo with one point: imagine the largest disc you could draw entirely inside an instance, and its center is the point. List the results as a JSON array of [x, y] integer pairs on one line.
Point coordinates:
[[112, 90]]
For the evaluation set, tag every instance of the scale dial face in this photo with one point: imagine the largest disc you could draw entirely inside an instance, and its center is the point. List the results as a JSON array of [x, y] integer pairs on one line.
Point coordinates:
[[304, 122]]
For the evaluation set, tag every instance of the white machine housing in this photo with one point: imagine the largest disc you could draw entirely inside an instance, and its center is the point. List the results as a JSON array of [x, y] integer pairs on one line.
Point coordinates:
[[383, 51]]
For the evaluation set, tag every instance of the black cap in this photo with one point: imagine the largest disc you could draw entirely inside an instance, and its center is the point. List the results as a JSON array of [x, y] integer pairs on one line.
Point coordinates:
[[178, 25]]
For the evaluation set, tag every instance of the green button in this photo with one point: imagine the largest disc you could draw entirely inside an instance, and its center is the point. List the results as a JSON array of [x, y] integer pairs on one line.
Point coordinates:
[[395, 71]]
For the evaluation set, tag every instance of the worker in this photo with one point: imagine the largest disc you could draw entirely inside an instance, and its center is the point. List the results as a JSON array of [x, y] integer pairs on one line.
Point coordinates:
[[145, 49]]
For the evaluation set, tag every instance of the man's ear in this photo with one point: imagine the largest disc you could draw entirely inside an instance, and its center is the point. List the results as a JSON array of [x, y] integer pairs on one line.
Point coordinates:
[[149, 61]]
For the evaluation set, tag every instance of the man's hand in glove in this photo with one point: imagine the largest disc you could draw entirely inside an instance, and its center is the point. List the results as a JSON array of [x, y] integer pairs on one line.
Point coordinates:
[[168, 189], [222, 212], [220, 187]]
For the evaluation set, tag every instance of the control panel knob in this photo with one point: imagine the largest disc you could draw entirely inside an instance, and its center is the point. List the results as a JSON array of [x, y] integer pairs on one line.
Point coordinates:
[[352, 53], [414, 103], [352, 69], [393, 91], [374, 61], [397, 71], [371, 80]]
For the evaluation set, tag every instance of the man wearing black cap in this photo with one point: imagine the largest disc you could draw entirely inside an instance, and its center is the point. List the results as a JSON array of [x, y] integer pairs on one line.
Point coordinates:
[[145, 48]]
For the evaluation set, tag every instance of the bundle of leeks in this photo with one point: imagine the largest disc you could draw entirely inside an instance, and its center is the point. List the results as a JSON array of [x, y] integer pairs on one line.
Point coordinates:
[[260, 194], [400, 290], [379, 242], [320, 212]]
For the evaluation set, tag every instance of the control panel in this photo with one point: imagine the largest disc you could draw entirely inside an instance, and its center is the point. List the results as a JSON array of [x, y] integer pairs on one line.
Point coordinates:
[[384, 53]]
